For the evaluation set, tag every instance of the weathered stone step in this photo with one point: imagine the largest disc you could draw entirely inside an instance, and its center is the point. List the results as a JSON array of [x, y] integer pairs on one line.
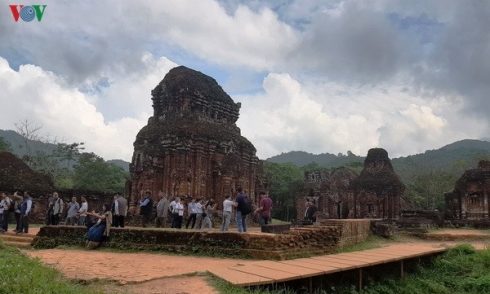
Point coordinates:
[[17, 244], [17, 238]]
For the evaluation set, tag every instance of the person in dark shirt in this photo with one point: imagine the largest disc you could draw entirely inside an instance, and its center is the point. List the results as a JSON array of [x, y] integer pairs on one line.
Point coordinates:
[[310, 212], [264, 209]]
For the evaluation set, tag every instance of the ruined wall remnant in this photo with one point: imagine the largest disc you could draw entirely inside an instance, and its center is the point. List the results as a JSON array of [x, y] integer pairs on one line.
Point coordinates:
[[329, 191], [342, 193], [15, 175], [470, 197], [378, 189], [191, 145]]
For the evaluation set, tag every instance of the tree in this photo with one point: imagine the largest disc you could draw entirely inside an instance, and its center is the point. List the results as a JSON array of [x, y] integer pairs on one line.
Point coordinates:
[[68, 152], [29, 133], [56, 161], [5, 145], [285, 182], [356, 166], [426, 185], [312, 166], [93, 173]]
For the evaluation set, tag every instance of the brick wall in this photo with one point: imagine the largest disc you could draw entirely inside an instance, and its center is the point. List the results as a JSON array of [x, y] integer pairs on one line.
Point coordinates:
[[297, 242], [353, 231]]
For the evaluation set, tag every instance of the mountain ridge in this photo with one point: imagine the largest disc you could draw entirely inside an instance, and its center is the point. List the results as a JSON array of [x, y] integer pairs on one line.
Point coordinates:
[[16, 141], [467, 146]]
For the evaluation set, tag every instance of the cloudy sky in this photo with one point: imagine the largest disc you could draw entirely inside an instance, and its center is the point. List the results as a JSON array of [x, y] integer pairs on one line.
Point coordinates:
[[317, 76]]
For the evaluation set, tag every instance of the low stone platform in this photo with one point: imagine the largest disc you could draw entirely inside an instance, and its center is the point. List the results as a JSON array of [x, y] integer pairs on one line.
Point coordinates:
[[296, 242], [276, 229], [456, 235]]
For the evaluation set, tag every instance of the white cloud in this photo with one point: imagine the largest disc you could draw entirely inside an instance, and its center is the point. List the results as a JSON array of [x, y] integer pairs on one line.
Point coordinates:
[[289, 117], [340, 75], [65, 112]]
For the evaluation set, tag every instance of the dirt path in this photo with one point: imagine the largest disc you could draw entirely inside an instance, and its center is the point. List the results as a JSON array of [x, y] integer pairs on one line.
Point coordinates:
[[152, 273], [136, 268]]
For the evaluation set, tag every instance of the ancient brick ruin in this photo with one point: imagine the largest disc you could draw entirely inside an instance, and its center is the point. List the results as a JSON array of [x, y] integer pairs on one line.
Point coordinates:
[[15, 175], [329, 191], [297, 242], [191, 145], [378, 190], [342, 194], [470, 197]]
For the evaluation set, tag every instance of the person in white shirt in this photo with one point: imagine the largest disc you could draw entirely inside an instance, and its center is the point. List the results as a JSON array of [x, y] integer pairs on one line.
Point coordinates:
[[199, 212], [56, 210], [191, 208], [73, 208], [179, 209], [227, 209], [173, 212], [4, 208], [82, 212], [120, 210]]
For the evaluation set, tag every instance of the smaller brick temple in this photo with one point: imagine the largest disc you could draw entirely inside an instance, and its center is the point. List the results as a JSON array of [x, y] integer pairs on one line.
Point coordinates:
[[470, 197], [328, 190], [341, 193], [191, 145]]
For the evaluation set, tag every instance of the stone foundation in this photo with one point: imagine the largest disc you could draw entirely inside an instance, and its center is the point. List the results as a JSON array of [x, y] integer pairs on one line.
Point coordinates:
[[296, 242], [353, 231], [302, 241]]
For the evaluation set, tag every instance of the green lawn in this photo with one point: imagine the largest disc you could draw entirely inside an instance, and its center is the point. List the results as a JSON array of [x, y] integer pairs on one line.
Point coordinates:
[[20, 274]]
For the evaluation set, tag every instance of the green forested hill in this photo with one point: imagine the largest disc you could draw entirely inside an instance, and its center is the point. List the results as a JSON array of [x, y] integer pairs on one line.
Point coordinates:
[[301, 158], [17, 143], [461, 152], [427, 176]]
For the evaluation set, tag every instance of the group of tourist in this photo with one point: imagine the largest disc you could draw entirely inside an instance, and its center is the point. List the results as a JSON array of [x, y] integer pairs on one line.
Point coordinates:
[[17, 206], [76, 214], [200, 211]]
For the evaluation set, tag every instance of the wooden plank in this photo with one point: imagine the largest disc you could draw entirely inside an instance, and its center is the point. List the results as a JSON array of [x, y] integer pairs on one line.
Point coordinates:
[[342, 264], [415, 252], [277, 276], [326, 269], [396, 257], [298, 270], [269, 272], [239, 278], [369, 260], [346, 263]]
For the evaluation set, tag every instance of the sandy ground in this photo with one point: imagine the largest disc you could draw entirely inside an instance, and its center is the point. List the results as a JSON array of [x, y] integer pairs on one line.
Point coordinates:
[[139, 272], [154, 273]]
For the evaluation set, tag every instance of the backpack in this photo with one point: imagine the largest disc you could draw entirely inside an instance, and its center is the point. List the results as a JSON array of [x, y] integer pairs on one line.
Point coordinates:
[[11, 205], [247, 207]]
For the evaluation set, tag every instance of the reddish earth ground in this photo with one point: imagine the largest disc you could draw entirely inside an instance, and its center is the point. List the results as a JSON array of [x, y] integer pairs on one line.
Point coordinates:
[[159, 273]]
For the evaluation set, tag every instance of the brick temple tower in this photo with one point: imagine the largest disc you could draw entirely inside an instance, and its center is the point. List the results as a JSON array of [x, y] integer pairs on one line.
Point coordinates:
[[191, 145]]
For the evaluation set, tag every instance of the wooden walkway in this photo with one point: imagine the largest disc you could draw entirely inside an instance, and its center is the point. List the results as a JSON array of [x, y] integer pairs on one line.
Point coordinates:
[[271, 272]]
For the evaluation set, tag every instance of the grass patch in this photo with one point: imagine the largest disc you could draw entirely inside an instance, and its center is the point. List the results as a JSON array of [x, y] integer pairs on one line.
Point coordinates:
[[371, 242], [461, 269], [275, 221], [20, 274], [227, 288]]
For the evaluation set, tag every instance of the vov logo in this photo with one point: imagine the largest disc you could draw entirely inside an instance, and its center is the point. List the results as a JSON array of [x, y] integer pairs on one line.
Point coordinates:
[[27, 13]]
